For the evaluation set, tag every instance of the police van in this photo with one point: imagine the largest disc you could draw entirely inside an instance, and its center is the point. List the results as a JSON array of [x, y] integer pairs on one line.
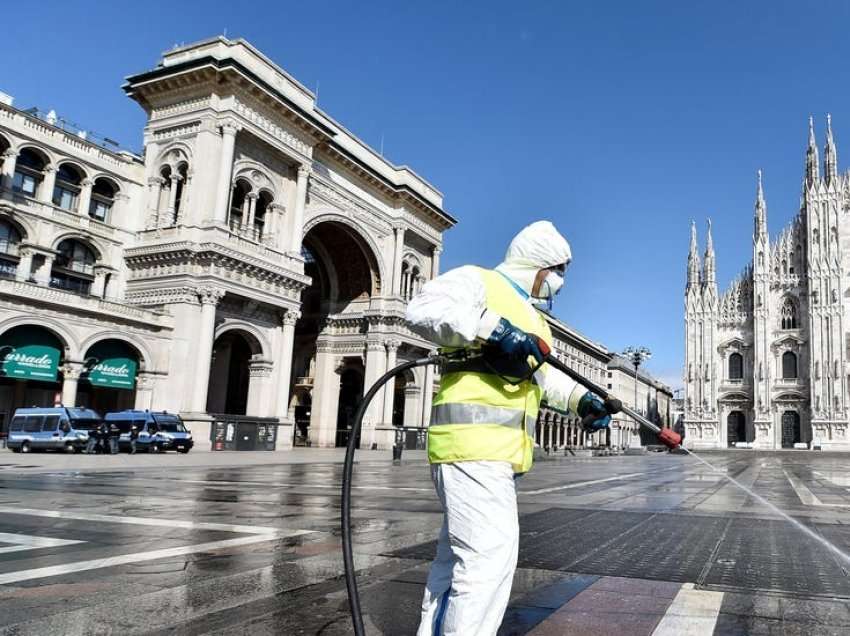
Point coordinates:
[[62, 428], [157, 430]]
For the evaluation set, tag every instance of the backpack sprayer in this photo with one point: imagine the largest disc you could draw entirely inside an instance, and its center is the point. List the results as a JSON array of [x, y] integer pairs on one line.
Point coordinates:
[[666, 436]]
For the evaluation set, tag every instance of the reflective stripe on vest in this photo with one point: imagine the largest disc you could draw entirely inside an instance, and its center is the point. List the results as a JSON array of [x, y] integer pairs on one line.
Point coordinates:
[[461, 413]]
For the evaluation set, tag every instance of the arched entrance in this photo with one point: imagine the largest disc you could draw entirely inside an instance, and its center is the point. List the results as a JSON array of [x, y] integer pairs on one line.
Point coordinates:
[[108, 381], [791, 433], [230, 373], [736, 428], [30, 362], [344, 277], [350, 392]]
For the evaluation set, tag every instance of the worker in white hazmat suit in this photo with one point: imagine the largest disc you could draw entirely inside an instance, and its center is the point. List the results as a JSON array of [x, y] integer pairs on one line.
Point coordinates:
[[482, 422]]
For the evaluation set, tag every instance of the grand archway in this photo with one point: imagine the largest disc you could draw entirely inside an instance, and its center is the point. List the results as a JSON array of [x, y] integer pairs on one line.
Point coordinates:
[[344, 275]]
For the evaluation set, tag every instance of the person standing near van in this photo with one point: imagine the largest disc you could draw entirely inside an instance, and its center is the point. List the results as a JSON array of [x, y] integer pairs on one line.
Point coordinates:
[[114, 434], [102, 437], [134, 435], [91, 444]]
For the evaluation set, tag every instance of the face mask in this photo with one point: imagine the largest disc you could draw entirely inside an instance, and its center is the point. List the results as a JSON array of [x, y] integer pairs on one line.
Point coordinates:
[[550, 286]]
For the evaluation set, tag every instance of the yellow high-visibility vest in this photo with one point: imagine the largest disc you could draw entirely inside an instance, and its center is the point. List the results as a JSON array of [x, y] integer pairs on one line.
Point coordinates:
[[480, 416]]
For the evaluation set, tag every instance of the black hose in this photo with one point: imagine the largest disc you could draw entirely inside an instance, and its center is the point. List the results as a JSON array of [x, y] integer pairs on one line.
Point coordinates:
[[347, 468]]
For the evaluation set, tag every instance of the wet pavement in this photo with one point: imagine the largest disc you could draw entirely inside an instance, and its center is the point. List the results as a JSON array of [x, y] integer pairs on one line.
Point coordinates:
[[248, 543]]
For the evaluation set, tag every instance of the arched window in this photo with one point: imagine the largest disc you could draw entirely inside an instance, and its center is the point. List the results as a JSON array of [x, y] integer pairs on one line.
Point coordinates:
[[789, 365], [239, 204], [102, 198], [789, 314], [405, 278], [736, 366], [29, 172], [10, 240], [73, 266], [69, 181]]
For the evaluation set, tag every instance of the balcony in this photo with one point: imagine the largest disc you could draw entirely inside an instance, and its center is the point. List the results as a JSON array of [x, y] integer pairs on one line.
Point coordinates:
[[29, 205], [24, 293]]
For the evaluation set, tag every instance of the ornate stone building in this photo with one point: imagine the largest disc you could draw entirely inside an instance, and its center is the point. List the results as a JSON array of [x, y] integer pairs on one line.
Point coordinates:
[[255, 260], [766, 362]]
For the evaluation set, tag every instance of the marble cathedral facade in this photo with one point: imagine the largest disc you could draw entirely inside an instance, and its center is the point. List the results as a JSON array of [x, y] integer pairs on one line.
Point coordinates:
[[766, 363]]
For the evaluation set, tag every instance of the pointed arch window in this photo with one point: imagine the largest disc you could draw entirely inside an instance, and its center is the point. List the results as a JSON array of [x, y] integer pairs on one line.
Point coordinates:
[[788, 315], [736, 366], [789, 365]]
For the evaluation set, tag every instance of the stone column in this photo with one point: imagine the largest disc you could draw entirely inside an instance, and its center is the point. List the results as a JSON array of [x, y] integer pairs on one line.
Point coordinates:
[[99, 286], [155, 184], [112, 286], [172, 200], [42, 276], [45, 189], [259, 372], [389, 392], [325, 398], [435, 261], [427, 395], [300, 203], [397, 258], [209, 298], [10, 158], [412, 406], [24, 269], [144, 390], [376, 366], [284, 362], [84, 200], [70, 379], [248, 219], [270, 222], [228, 144]]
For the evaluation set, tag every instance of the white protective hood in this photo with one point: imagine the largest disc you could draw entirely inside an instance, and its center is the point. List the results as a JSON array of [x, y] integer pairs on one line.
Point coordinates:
[[536, 247]]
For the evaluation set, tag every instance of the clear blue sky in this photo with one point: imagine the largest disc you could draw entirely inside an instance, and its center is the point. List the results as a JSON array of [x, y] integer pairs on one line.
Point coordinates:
[[620, 121]]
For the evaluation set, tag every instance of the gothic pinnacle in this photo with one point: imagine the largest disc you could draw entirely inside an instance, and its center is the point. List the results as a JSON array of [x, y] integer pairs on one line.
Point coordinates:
[[693, 260], [761, 209], [830, 156], [812, 160], [708, 277]]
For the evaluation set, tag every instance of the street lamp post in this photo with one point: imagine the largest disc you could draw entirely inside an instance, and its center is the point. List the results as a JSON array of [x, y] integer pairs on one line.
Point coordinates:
[[636, 355]]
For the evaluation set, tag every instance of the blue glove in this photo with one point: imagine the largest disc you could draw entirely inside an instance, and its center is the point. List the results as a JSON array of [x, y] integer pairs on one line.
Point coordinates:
[[514, 342], [592, 404]]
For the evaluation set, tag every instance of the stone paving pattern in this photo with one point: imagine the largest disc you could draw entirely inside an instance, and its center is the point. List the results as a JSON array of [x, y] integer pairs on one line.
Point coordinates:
[[622, 545]]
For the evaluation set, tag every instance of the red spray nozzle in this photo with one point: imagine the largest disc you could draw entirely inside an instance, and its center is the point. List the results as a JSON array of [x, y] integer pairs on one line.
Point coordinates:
[[669, 438]]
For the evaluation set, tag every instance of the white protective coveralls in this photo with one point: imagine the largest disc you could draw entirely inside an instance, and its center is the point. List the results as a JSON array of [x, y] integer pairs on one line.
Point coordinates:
[[470, 580]]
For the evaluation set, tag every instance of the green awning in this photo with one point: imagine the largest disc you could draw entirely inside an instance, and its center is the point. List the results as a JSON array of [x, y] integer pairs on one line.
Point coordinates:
[[111, 364], [29, 353]]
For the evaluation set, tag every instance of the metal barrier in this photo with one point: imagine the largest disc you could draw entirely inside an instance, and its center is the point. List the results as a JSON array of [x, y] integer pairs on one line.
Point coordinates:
[[240, 432]]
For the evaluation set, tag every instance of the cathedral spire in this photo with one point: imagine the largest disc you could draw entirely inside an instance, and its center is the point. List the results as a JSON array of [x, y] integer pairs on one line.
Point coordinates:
[[830, 155], [709, 274], [693, 260], [761, 211], [812, 168]]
